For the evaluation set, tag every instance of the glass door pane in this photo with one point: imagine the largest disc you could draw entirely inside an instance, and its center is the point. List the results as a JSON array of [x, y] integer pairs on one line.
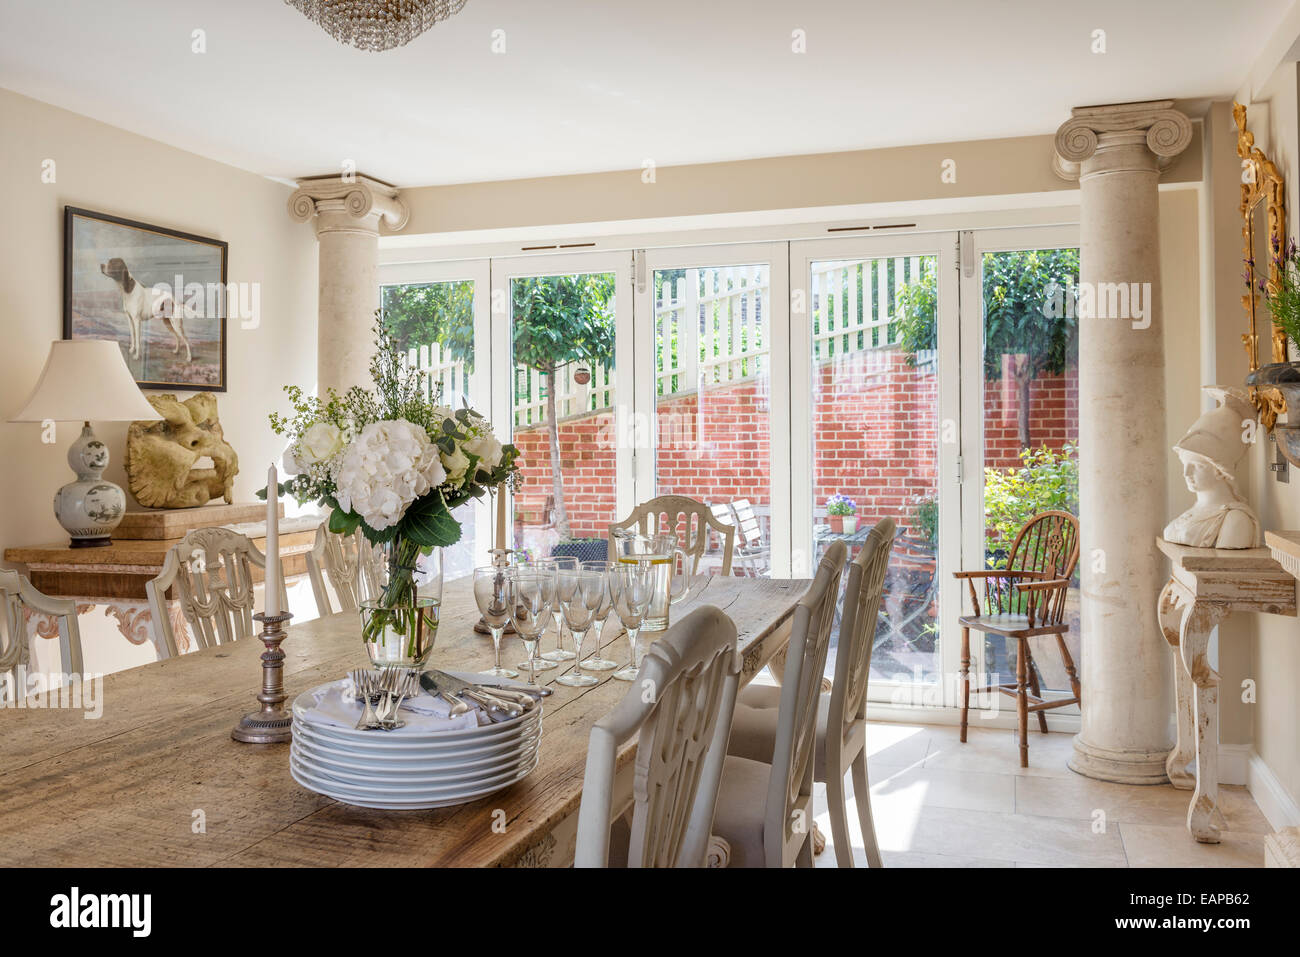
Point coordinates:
[[1030, 418], [713, 401], [875, 431], [441, 326], [876, 408], [563, 334]]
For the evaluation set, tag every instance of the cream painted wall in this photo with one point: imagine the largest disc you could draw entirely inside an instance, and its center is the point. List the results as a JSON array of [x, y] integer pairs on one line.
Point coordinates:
[[109, 170], [1275, 656]]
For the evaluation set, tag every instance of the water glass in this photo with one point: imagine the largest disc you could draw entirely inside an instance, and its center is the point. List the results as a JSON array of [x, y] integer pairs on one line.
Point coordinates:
[[596, 661], [631, 586], [580, 593], [530, 593], [491, 593]]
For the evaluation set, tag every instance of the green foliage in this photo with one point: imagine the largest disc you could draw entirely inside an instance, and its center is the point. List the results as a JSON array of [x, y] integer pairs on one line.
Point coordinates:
[[440, 312], [925, 520], [1283, 295], [1045, 480], [563, 319], [1020, 317]]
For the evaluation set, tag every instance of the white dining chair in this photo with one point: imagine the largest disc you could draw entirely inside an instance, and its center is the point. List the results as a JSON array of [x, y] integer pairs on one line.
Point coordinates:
[[689, 520], [765, 811], [841, 715], [15, 653], [210, 572], [350, 563], [752, 548], [680, 710]]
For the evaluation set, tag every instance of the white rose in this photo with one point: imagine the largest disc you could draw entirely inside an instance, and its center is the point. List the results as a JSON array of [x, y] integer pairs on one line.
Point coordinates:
[[320, 443], [386, 468], [456, 464], [487, 448]]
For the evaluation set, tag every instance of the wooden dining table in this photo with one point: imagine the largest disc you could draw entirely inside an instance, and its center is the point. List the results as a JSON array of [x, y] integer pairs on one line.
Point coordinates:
[[156, 779]]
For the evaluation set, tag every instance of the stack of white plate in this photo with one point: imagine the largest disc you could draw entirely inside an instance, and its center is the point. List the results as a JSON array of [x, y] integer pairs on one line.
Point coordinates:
[[402, 769]]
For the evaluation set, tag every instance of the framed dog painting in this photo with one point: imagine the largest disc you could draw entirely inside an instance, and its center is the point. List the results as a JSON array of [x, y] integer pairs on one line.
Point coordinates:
[[158, 293]]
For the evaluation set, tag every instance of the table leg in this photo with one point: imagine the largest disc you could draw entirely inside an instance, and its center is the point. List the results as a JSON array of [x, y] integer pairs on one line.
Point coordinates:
[[1203, 813], [1171, 611]]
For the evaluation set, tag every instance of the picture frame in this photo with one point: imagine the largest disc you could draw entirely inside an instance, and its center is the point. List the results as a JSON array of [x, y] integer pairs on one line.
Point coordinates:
[[160, 293]]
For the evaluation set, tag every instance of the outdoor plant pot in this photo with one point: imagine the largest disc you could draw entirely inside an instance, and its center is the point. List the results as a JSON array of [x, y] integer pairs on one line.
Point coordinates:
[[836, 522], [583, 549]]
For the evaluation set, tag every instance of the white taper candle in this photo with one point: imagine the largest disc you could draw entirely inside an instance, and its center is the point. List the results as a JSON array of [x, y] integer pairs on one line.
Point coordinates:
[[271, 602]]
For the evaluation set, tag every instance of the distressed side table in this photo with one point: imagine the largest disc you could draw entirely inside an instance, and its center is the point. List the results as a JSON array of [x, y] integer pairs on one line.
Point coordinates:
[[1207, 585]]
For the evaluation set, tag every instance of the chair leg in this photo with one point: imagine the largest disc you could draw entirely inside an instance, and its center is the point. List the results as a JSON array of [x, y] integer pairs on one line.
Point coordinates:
[[1069, 665], [862, 795], [805, 856], [1022, 702], [839, 819], [965, 680], [1033, 686]]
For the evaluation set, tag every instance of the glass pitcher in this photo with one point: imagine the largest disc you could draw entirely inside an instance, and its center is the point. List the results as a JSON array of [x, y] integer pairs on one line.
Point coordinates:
[[660, 552]]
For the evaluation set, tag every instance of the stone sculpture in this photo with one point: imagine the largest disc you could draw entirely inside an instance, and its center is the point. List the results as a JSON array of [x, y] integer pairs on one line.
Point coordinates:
[[160, 456], [1210, 452]]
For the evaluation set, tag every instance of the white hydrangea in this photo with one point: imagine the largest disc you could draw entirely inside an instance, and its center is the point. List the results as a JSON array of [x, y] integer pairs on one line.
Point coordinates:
[[386, 468]]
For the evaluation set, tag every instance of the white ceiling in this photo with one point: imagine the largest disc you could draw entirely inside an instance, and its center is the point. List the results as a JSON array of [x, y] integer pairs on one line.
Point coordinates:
[[589, 85]]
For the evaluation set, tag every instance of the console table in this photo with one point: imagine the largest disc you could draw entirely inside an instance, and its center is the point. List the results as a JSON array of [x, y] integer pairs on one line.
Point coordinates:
[[1207, 585], [108, 582]]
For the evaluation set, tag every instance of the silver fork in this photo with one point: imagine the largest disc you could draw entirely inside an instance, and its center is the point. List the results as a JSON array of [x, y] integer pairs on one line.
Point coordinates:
[[363, 682]]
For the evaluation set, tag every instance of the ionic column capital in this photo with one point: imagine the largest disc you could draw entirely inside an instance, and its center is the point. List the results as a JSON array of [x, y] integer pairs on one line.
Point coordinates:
[[1091, 131], [348, 204]]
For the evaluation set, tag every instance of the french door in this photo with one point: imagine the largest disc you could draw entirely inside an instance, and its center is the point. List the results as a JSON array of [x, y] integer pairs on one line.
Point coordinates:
[[712, 372], [876, 418], [800, 388]]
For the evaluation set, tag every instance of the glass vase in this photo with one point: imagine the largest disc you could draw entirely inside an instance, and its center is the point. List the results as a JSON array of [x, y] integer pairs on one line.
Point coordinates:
[[399, 623]]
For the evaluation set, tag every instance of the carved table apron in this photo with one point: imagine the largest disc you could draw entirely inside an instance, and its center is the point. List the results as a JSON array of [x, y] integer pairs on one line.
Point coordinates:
[[1207, 585]]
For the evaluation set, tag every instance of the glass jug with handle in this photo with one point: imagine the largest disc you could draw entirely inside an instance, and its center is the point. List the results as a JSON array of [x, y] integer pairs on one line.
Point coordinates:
[[660, 552]]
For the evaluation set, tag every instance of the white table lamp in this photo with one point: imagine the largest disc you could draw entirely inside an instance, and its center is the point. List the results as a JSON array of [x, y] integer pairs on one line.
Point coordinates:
[[87, 379]]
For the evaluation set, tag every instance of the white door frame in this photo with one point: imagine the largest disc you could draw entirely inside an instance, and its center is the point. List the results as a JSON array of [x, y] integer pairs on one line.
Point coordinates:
[[627, 438], [974, 244], [776, 256], [943, 246], [476, 271]]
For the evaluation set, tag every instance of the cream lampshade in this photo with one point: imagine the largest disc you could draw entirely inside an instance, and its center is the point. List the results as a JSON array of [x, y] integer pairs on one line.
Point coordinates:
[[86, 379]]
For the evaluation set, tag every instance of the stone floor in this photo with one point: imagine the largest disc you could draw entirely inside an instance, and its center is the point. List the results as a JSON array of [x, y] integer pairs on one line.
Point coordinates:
[[940, 803]]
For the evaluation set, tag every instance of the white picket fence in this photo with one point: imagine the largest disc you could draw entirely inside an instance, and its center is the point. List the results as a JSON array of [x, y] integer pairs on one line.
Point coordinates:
[[712, 329]]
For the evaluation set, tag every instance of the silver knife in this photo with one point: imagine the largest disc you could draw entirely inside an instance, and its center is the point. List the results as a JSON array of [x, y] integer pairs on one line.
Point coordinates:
[[474, 692]]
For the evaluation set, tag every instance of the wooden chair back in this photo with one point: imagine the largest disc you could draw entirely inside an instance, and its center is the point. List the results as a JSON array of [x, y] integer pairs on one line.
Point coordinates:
[[689, 520], [211, 569], [352, 565], [788, 813], [680, 708], [1047, 546], [19, 595], [862, 597]]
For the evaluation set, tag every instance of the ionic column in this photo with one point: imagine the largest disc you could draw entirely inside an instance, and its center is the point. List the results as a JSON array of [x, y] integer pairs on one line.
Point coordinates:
[[1116, 153], [347, 212]]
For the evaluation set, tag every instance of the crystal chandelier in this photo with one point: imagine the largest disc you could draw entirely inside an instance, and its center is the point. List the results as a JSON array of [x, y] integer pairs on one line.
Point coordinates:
[[376, 24]]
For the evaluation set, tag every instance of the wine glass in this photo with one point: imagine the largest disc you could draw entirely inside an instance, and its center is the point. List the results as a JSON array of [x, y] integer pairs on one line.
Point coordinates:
[[560, 563], [542, 662], [530, 593], [631, 585], [490, 592], [595, 662], [580, 593]]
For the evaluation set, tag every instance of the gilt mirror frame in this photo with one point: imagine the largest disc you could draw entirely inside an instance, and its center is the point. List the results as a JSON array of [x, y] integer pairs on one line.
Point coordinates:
[[1262, 193]]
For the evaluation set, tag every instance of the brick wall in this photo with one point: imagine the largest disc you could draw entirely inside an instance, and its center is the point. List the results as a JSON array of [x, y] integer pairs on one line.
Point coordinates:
[[875, 428]]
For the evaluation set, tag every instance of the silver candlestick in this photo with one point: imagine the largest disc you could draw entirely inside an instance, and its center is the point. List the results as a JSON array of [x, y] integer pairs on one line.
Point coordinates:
[[272, 723]]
